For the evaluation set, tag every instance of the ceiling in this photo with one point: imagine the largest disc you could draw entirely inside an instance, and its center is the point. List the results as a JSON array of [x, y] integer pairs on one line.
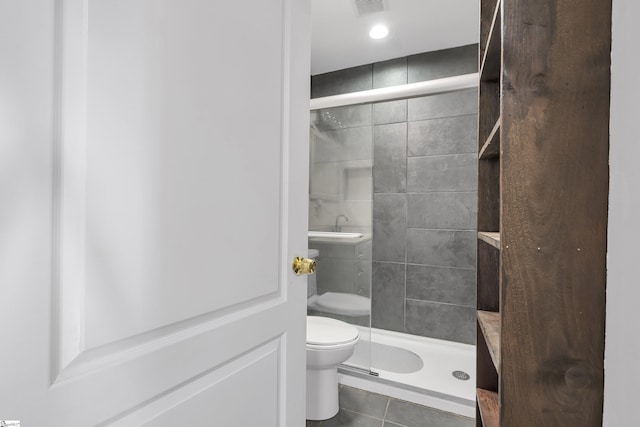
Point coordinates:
[[340, 29]]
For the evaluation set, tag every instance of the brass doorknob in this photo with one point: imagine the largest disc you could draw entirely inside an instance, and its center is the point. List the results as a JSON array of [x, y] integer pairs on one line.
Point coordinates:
[[303, 266]]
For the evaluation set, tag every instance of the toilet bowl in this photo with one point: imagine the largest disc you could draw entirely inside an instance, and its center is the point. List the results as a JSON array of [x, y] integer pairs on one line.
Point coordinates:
[[330, 342]]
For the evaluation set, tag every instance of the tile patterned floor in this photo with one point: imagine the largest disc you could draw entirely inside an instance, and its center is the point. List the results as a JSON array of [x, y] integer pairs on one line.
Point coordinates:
[[359, 408]]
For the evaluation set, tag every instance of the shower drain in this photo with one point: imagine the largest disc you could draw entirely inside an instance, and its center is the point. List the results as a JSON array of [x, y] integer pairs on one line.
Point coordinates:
[[460, 375]]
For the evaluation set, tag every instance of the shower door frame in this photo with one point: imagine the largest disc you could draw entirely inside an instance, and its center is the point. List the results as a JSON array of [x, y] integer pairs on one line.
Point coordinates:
[[452, 84]]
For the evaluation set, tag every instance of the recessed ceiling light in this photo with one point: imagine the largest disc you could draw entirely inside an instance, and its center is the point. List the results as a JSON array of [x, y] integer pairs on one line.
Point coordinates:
[[379, 32]]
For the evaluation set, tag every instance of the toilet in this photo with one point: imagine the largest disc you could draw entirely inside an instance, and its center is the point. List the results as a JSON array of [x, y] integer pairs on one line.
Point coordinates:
[[330, 342]]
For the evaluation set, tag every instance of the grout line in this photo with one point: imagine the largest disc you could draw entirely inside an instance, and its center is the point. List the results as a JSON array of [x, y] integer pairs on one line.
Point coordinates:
[[440, 302], [386, 409], [439, 118], [442, 229], [442, 155], [360, 413], [411, 193], [437, 266]]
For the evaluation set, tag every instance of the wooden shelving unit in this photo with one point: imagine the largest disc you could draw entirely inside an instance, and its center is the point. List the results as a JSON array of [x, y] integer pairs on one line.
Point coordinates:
[[542, 212], [488, 404], [492, 238], [491, 148], [490, 326]]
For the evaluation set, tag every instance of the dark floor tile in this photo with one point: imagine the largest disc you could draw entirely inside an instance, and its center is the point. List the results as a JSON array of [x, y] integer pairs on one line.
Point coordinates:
[[313, 423], [351, 419], [412, 415], [363, 402]]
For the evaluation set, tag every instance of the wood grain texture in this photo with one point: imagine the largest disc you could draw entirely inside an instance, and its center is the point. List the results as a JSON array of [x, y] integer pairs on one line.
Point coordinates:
[[489, 408], [554, 175], [489, 195], [487, 13], [488, 270], [490, 66], [486, 374], [491, 148], [490, 326], [489, 104]]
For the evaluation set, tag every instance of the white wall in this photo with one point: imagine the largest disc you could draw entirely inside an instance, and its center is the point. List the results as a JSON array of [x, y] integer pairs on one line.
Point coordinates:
[[622, 353]]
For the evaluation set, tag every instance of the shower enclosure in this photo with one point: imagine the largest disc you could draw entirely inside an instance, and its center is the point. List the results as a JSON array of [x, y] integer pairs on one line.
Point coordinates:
[[354, 160]]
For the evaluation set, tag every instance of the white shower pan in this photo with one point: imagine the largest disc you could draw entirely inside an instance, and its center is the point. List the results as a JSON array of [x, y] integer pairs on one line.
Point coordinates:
[[415, 369]]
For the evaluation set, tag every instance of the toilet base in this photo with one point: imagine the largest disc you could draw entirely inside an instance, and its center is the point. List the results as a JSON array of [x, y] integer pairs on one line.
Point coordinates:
[[322, 393]]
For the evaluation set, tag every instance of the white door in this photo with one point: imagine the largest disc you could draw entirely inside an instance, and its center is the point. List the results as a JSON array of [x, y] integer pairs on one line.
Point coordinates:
[[153, 187]]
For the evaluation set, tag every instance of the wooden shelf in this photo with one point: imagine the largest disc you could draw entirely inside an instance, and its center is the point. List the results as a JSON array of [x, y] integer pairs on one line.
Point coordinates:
[[490, 68], [492, 238], [489, 407], [490, 325], [491, 147]]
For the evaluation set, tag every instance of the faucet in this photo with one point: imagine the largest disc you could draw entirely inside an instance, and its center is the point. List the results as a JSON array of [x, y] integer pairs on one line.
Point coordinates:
[[337, 227]]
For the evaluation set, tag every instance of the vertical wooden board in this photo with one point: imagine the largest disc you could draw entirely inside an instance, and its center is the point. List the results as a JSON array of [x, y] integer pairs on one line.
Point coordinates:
[[486, 375], [489, 105], [488, 292], [489, 195], [487, 8], [554, 175]]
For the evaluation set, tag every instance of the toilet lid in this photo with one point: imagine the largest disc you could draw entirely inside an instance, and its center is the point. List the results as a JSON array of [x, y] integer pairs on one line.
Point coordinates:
[[326, 331]]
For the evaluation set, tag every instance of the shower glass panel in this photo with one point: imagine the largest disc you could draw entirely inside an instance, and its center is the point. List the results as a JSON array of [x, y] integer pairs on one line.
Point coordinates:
[[340, 202]]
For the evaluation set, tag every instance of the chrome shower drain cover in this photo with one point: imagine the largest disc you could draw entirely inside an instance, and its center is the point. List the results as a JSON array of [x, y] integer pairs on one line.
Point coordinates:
[[460, 375]]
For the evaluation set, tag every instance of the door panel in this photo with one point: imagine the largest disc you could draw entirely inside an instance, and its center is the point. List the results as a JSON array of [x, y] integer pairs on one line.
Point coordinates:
[[177, 158], [177, 220]]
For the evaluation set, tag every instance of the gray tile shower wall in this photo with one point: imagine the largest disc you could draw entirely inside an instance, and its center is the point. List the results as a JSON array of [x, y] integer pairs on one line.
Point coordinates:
[[424, 185]]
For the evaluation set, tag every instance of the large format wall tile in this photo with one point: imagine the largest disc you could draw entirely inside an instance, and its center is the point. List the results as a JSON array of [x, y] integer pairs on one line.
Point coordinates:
[[441, 284], [388, 296], [342, 144], [390, 112], [443, 63], [451, 135], [342, 81], [349, 116], [452, 172], [456, 210], [424, 184], [445, 105], [390, 158], [389, 227], [390, 73], [443, 248], [442, 321]]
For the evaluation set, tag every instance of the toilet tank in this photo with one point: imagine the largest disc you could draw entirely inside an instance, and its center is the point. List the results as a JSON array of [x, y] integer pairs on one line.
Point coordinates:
[[312, 287]]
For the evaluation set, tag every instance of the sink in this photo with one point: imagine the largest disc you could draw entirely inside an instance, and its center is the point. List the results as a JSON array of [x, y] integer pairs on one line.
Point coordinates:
[[334, 235]]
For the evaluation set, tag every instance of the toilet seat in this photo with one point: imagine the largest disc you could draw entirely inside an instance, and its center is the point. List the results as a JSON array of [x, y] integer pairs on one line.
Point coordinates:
[[326, 333]]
